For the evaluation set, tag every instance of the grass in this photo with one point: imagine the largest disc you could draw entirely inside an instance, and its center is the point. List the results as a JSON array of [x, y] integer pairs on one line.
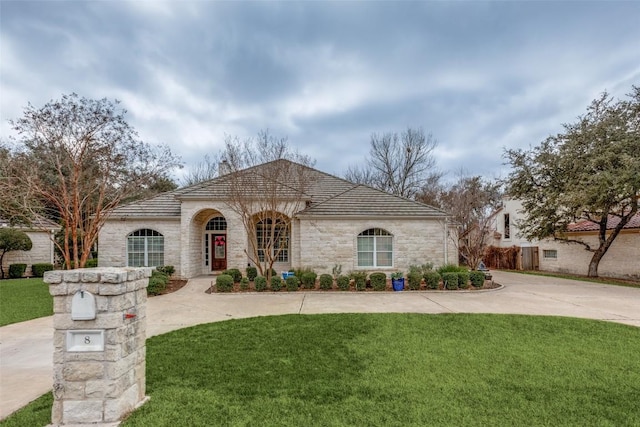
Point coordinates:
[[601, 280], [392, 370], [24, 299], [35, 414]]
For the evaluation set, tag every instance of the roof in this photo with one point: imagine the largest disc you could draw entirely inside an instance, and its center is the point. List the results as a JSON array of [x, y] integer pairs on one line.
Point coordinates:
[[612, 222], [327, 195], [36, 224]]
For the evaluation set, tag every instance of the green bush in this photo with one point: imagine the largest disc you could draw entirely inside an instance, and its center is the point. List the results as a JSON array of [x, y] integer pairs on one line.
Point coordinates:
[[235, 274], [91, 263], [378, 281], [293, 283], [463, 279], [224, 283], [276, 283], [359, 279], [343, 282], [244, 284], [308, 280], [260, 283], [414, 280], [450, 280], [432, 279], [252, 273], [477, 278], [326, 281], [450, 268], [157, 283], [16, 271], [167, 269], [299, 272], [38, 269]]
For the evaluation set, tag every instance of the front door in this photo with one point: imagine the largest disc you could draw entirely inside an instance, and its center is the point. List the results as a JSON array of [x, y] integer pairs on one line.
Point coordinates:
[[219, 245]]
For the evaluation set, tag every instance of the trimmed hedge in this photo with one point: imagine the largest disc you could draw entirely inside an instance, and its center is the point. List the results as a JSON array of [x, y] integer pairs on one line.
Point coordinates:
[[38, 270], [477, 278], [414, 279], [224, 283], [326, 282], [450, 280], [157, 283], [167, 269], [432, 279], [344, 283], [92, 263], [378, 281], [244, 284], [463, 279], [308, 280], [235, 274], [276, 283], [359, 279], [16, 271], [260, 283], [293, 283], [252, 273]]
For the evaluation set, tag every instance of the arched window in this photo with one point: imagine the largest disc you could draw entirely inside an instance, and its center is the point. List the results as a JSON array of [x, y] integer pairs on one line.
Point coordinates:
[[145, 248], [218, 223], [375, 248], [273, 237]]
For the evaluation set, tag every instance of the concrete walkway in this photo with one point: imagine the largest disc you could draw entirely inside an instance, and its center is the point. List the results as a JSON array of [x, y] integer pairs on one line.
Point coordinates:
[[26, 348]]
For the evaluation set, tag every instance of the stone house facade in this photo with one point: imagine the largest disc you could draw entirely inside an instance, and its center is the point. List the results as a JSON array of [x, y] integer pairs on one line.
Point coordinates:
[[335, 222], [41, 234], [622, 260]]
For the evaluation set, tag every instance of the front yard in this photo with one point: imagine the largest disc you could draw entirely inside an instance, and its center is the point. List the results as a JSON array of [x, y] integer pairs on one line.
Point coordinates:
[[24, 299]]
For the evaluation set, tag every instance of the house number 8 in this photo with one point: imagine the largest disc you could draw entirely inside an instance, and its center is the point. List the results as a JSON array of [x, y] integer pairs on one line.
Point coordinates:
[[87, 339]]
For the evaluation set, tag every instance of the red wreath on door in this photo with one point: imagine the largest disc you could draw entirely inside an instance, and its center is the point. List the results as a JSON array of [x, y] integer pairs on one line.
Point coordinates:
[[219, 241]]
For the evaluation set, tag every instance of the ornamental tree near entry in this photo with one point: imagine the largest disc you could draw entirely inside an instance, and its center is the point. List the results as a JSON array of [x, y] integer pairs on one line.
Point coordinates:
[[590, 172], [12, 239]]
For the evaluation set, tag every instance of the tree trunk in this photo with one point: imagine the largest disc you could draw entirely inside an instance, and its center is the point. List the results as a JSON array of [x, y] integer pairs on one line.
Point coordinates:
[[595, 260]]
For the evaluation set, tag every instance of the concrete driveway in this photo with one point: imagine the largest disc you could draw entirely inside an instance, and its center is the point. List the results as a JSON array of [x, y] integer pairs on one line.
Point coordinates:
[[26, 348]]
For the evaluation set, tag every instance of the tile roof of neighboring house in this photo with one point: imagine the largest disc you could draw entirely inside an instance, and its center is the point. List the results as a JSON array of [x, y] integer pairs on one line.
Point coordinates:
[[612, 222], [38, 223], [328, 195]]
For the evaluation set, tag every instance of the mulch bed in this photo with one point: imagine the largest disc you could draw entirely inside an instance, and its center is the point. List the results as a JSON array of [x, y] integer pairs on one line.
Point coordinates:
[[173, 286]]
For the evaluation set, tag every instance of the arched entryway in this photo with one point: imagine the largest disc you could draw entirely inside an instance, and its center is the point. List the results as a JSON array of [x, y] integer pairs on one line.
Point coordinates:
[[215, 243]]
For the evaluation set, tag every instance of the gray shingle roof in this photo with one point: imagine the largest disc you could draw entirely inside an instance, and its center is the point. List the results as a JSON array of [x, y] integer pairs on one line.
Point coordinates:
[[328, 196]]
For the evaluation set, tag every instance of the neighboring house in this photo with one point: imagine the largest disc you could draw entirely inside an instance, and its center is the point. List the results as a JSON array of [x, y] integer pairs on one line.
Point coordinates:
[[340, 223], [622, 260], [41, 233]]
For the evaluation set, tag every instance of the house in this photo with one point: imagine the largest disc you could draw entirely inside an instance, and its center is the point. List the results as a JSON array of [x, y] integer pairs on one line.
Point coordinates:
[[622, 260], [336, 222], [41, 233]]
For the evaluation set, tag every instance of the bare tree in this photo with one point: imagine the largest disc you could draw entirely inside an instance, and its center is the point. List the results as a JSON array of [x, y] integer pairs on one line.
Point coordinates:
[[398, 164], [203, 171], [77, 159], [268, 185]]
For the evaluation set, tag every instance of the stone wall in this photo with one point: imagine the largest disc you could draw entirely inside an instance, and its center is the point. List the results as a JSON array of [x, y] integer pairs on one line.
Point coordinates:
[[93, 386], [326, 242]]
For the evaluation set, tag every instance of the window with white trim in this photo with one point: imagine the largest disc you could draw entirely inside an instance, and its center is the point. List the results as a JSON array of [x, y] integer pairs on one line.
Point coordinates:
[[145, 248], [550, 254], [274, 237], [375, 248]]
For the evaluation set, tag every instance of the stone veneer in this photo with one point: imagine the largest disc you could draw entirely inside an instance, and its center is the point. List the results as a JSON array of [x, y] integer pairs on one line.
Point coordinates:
[[99, 386]]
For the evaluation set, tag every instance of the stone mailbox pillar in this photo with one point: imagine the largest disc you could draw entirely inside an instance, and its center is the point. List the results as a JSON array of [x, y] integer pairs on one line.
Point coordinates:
[[99, 343]]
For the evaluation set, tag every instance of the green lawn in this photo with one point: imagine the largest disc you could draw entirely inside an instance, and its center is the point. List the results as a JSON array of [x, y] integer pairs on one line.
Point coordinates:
[[601, 280], [393, 370], [24, 299]]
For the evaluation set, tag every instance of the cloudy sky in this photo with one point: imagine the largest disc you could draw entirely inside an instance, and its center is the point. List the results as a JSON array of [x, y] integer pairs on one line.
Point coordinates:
[[480, 76]]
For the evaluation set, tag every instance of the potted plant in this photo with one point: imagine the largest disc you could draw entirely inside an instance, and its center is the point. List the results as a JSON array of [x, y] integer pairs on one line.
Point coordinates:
[[397, 280]]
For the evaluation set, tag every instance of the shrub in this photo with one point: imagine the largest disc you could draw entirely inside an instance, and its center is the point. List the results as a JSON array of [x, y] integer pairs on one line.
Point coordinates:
[[252, 273], [224, 283], [293, 283], [326, 281], [378, 281], [244, 284], [299, 272], [432, 279], [308, 280], [16, 271], [477, 278], [260, 283], [450, 268], [359, 279], [276, 283], [167, 269], [39, 269], [450, 280], [91, 263], [463, 279], [234, 273], [414, 280], [157, 283], [343, 282]]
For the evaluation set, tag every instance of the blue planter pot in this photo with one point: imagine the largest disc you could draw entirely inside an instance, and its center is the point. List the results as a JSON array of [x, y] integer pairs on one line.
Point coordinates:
[[398, 284]]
